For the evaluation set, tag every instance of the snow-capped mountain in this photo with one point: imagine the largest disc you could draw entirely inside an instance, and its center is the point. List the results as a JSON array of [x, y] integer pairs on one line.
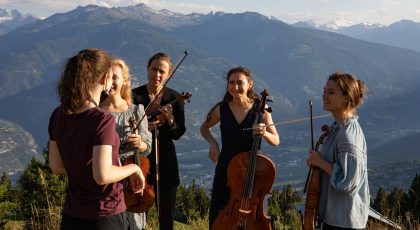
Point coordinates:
[[12, 19], [336, 25], [404, 33]]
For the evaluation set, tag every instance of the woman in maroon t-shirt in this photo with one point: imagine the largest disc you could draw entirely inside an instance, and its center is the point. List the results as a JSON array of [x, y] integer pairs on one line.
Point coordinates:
[[84, 146]]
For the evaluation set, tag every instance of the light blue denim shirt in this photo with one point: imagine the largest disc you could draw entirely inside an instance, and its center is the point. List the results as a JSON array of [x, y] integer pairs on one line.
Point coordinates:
[[344, 196]]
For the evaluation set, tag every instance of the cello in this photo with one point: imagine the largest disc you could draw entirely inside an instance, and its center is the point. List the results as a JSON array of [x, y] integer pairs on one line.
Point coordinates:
[[310, 218], [244, 209]]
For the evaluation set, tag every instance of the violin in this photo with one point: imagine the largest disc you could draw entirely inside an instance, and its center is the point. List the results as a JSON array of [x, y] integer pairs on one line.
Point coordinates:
[[245, 207], [136, 202], [310, 218], [153, 112]]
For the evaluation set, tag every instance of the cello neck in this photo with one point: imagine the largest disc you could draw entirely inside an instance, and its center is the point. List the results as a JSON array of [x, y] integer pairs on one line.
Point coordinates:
[[255, 147]]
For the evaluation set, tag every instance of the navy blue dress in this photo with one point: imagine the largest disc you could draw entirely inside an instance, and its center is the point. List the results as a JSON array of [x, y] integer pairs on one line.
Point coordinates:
[[234, 140]]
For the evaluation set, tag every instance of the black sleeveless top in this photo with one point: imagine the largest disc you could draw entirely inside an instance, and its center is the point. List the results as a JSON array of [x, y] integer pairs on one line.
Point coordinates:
[[234, 139]]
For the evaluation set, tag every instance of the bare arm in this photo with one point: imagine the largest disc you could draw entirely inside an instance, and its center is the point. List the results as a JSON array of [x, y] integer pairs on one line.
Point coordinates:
[[214, 150], [269, 132], [105, 173], [56, 163]]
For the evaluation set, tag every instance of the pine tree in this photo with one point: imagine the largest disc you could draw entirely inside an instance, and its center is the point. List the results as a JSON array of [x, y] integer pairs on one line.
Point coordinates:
[[8, 206], [6, 189], [380, 202], [274, 210], [192, 203], [38, 188], [202, 201], [413, 195], [281, 208], [394, 203]]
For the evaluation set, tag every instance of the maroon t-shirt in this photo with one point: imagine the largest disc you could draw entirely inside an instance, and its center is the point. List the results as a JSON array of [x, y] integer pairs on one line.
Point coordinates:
[[76, 134]]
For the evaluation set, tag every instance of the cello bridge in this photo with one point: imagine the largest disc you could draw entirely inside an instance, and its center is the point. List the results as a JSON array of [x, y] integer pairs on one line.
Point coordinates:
[[244, 211]]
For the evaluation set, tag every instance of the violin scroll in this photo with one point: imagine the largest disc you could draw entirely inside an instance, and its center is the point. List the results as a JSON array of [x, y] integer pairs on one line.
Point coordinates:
[[325, 131]]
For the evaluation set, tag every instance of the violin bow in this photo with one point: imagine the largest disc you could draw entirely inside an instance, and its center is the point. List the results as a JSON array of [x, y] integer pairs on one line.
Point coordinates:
[[312, 145]]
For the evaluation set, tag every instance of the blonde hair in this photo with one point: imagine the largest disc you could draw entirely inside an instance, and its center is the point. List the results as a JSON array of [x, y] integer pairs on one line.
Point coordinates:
[[126, 87]]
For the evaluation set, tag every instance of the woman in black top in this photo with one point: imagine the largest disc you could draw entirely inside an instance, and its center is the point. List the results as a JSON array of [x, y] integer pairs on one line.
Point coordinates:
[[235, 113], [170, 127]]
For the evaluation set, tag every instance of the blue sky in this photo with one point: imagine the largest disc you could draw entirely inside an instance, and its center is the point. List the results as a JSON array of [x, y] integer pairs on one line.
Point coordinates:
[[354, 11]]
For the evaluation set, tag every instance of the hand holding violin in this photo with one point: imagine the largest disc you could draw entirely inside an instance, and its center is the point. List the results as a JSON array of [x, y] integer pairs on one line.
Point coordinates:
[[164, 116], [316, 159], [137, 182], [167, 114], [135, 141]]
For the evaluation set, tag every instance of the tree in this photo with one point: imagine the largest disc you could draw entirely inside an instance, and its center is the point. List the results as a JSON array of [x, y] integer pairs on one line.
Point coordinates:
[[274, 202], [40, 189], [380, 202], [394, 203], [8, 206], [6, 189], [192, 203], [413, 196], [281, 208], [202, 201]]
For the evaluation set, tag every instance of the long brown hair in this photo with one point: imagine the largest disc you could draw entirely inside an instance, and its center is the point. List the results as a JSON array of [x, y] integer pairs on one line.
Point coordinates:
[[81, 72], [352, 87], [126, 87]]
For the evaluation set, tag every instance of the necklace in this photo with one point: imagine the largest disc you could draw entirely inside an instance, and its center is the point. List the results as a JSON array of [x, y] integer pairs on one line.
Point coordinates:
[[93, 102]]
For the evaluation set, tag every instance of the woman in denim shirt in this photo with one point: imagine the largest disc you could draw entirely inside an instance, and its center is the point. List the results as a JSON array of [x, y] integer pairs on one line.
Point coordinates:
[[344, 190]]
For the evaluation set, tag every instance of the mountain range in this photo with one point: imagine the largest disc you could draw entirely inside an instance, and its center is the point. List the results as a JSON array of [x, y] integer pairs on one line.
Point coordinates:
[[290, 61], [404, 33], [12, 19]]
